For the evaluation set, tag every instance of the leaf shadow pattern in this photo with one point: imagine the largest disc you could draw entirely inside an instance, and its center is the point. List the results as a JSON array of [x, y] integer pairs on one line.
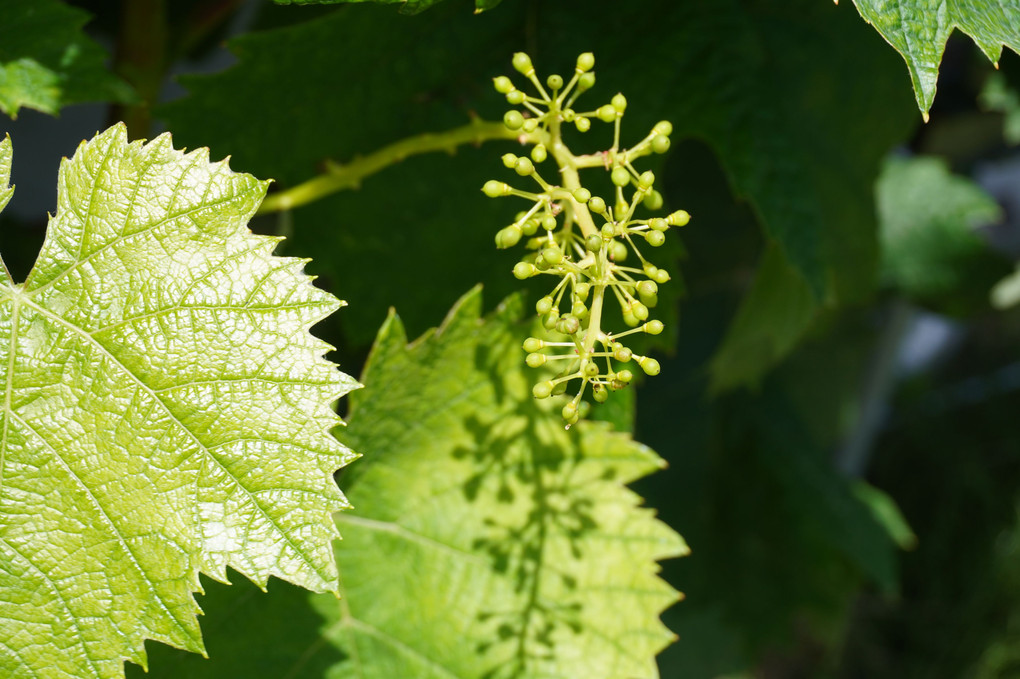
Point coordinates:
[[538, 481]]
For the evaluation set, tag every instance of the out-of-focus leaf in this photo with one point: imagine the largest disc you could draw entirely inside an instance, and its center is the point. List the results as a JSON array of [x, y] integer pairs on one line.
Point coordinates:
[[488, 542], [47, 62], [888, 515], [997, 95], [918, 29], [166, 411], [928, 216], [773, 315], [1006, 292]]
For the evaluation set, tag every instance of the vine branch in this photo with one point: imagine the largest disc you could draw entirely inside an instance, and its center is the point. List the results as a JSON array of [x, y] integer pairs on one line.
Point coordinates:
[[339, 177]]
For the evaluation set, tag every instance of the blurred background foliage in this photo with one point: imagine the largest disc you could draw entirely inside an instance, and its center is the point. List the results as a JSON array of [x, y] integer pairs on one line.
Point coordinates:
[[838, 392]]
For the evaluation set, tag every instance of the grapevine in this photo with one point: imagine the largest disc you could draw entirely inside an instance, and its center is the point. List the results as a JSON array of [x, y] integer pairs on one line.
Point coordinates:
[[582, 239]]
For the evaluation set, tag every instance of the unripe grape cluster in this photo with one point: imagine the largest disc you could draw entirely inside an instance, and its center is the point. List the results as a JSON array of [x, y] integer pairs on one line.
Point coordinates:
[[591, 245]]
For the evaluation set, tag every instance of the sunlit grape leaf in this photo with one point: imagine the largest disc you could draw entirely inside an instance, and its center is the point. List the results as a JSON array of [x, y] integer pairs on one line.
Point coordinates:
[[487, 541], [406, 6], [165, 412], [918, 29], [47, 62], [928, 217]]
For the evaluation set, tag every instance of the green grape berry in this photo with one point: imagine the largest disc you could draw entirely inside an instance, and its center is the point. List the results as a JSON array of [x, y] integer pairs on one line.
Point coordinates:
[[530, 125], [568, 324], [646, 180], [544, 305], [539, 153], [533, 344], [543, 389], [625, 376], [569, 411], [593, 243], [639, 310], [585, 62], [586, 82], [647, 288], [550, 320], [515, 97], [552, 254], [522, 64], [596, 205], [653, 327], [578, 309], [617, 251], [607, 113], [523, 270], [581, 291], [554, 82], [678, 218], [599, 393], [660, 143], [661, 276], [581, 195], [524, 167], [509, 160], [590, 369], [582, 124], [620, 176], [619, 102], [655, 238], [622, 354], [535, 360], [653, 201], [494, 189], [513, 120], [649, 365], [508, 237], [658, 224], [503, 84]]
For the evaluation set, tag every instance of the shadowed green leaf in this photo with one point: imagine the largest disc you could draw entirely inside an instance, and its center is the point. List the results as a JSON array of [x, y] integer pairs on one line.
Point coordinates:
[[47, 62], [165, 411], [772, 317], [918, 29]]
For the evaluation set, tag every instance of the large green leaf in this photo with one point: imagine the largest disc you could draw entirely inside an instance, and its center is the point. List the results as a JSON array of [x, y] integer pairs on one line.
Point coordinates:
[[165, 412], [799, 100], [918, 29], [47, 62], [487, 541]]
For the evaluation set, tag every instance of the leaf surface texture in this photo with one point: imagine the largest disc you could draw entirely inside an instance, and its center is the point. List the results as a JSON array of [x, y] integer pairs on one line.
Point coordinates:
[[918, 29], [165, 411]]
